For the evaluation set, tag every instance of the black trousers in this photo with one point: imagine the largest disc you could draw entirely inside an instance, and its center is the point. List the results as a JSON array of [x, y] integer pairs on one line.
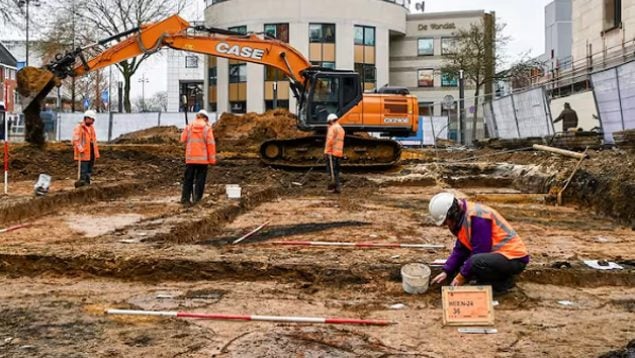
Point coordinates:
[[495, 270], [86, 167], [333, 182], [194, 183]]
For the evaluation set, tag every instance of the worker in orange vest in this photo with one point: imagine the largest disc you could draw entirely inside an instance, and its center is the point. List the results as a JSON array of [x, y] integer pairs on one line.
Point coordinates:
[[488, 250], [85, 147], [200, 151], [334, 151]]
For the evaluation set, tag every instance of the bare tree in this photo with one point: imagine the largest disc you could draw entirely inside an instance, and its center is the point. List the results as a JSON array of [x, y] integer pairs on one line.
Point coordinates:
[[111, 17], [10, 11], [159, 102], [478, 53]]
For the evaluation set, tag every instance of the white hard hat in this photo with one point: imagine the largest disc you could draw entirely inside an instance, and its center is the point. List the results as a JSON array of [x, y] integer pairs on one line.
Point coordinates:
[[439, 206], [332, 117], [203, 112], [90, 114]]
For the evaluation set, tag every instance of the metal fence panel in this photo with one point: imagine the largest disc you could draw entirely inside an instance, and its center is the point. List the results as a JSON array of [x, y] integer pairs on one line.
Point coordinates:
[[607, 96], [531, 114], [626, 82], [505, 118], [429, 128], [488, 113]]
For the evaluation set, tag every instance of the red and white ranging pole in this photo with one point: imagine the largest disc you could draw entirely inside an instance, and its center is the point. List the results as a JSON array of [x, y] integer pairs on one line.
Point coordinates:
[[233, 317], [359, 244]]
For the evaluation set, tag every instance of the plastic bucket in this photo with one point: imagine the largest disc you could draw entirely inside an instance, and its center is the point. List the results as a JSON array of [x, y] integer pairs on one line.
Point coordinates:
[[233, 191], [415, 278]]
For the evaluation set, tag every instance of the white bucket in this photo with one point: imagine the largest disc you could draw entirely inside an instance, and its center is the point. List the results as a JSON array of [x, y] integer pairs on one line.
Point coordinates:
[[233, 191], [415, 278]]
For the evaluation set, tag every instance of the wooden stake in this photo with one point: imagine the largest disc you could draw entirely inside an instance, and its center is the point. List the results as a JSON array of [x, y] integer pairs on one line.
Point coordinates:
[[564, 152]]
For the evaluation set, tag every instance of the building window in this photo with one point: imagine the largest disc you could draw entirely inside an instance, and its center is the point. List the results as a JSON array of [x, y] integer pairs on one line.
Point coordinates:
[[425, 47], [449, 80], [191, 61], [278, 31], [237, 79], [324, 64], [212, 79], [269, 104], [276, 84], [239, 29], [238, 73], [425, 77], [212, 76], [426, 109], [364, 41], [612, 14], [322, 45], [238, 106], [448, 45], [322, 33]]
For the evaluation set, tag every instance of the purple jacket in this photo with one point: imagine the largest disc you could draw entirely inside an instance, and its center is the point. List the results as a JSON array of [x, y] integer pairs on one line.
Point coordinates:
[[481, 241]]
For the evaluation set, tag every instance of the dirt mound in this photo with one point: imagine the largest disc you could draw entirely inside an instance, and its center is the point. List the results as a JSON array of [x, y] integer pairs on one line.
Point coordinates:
[[154, 135], [249, 130]]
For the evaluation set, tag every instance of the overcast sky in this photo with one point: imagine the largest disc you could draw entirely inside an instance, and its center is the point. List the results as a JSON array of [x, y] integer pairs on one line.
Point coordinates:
[[524, 19]]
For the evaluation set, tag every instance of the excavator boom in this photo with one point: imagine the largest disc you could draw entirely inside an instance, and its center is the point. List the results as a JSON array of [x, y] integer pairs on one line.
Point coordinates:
[[34, 84], [319, 91]]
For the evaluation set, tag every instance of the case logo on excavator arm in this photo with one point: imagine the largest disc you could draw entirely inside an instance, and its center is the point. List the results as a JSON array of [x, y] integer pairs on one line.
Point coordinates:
[[240, 51]]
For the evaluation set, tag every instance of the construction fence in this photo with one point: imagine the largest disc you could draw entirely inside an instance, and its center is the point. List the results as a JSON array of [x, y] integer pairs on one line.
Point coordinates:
[[520, 115], [614, 91], [430, 130]]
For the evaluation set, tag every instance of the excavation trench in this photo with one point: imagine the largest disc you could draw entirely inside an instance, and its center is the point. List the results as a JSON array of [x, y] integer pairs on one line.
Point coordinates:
[[23, 209], [156, 269]]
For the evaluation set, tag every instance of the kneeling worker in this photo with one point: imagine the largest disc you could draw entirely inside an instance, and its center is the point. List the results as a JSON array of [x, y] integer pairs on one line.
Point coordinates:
[[334, 151], [487, 251]]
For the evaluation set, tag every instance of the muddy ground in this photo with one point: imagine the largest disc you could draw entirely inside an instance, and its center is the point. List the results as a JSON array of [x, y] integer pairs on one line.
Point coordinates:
[[125, 242]]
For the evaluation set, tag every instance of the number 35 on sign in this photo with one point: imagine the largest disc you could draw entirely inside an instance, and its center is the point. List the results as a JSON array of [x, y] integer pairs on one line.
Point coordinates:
[[467, 306]]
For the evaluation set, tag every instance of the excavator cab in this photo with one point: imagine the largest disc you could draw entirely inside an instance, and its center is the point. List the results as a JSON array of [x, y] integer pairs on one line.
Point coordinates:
[[327, 91]]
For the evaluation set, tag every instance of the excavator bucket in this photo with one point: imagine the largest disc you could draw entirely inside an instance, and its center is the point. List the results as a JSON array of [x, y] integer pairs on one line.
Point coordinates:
[[33, 85]]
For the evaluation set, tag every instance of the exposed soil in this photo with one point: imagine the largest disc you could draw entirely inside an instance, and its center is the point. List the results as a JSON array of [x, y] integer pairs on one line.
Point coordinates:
[[130, 244], [246, 132], [154, 135]]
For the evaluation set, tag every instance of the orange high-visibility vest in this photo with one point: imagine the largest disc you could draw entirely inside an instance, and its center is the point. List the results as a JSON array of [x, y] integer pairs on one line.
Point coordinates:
[[82, 137], [200, 147], [335, 140], [505, 240]]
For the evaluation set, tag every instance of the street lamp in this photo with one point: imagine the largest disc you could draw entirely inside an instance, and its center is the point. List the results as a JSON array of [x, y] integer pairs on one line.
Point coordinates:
[[143, 80], [26, 3]]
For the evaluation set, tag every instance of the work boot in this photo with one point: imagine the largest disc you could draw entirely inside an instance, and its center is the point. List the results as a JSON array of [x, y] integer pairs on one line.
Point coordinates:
[[80, 183]]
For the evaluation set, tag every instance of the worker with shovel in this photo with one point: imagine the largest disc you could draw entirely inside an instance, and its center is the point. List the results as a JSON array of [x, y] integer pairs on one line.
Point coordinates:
[[334, 151], [86, 148], [488, 250], [200, 151]]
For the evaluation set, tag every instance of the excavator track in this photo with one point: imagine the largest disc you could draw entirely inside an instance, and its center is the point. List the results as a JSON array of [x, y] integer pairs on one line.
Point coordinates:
[[308, 152]]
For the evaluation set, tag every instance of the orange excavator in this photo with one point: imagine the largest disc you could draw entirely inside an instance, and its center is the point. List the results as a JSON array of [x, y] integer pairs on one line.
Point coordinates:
[[319, 91]]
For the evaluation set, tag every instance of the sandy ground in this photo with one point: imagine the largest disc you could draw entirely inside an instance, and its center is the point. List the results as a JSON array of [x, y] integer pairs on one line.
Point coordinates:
[[142, 250]]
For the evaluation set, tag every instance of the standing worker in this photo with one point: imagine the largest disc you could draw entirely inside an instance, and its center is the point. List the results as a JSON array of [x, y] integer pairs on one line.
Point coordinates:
[[488, 250], [85, 146], [334, 151], [200, 151], [569, 118]]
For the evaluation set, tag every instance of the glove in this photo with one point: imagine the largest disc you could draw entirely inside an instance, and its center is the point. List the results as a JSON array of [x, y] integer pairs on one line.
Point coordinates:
[[459, 280]]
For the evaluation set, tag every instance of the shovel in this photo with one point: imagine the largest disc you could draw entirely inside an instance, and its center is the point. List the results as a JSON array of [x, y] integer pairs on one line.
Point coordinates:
[[332, 185], [79, 182]]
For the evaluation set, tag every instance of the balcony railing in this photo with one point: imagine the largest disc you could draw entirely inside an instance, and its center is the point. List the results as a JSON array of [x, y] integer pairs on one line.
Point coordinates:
[[404, 3]]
